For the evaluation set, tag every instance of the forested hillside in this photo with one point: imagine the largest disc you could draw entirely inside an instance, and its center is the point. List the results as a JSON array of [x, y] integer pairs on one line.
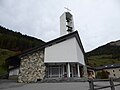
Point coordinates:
[[106, 54], [15, 41], [4, 54]]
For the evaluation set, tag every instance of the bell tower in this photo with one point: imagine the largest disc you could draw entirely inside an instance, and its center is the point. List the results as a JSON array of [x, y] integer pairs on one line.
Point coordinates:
[[66, 23]]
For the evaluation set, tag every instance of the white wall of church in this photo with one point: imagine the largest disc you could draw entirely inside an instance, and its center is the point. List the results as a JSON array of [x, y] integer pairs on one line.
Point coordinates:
[[14, 72], [63, 30], [66, 51], [80, 55], [64, 23]]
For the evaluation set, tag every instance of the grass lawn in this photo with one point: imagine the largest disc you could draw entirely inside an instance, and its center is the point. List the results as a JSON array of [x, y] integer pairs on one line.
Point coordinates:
[[4, 54], [99, 60]]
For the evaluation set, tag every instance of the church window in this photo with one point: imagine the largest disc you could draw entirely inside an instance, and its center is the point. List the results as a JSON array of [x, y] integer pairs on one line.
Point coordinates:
[[113, 71]]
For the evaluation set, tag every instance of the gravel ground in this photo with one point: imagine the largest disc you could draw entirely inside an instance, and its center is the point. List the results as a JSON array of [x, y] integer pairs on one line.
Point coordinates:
[[12, 85]]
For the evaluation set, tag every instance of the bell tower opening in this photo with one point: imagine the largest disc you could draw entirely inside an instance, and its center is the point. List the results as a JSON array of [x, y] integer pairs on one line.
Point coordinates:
[[66, 23]]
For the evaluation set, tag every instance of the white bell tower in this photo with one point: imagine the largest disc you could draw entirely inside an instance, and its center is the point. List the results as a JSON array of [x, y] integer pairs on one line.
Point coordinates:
[[66, 23]]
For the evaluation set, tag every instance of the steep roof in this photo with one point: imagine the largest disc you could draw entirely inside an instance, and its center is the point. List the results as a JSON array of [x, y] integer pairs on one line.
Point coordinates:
[[53, 42]]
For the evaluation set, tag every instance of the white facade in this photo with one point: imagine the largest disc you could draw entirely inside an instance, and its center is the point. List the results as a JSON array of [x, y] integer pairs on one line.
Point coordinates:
[[14, 72], [80, 55], [65, 51], [63, 24]]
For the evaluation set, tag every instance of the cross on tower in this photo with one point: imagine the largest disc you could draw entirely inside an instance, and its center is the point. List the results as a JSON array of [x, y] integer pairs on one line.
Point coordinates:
[[68, 10]]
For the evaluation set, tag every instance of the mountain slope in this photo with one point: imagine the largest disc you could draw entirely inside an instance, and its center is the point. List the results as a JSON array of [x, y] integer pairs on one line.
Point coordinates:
[[106, 54], [13, 43], [4, 54], [16, 41]]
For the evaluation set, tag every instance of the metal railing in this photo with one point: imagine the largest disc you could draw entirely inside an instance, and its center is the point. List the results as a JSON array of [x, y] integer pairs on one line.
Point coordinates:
[[4, 75], [111, 81]]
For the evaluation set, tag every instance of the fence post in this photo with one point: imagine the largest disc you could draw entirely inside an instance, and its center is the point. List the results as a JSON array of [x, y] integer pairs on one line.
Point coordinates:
[[91, 84], [112, 84]]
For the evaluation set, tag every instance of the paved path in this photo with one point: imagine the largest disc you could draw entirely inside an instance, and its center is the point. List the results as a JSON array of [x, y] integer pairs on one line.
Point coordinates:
[[44, 86], [10, 85]]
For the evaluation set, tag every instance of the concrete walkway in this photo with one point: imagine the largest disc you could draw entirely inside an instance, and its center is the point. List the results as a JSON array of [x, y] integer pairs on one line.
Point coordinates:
[[10, 85]]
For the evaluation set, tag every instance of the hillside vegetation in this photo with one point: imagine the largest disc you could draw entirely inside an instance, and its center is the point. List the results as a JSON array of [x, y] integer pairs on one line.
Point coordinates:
[[4, 54], [106, 54], [13, 43]]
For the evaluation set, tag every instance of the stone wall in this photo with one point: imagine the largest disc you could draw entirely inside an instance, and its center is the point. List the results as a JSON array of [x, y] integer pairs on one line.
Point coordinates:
[[32, 67]]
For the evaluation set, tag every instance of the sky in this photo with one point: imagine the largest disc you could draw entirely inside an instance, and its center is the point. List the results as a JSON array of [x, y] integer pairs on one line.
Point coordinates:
[[97, 21]]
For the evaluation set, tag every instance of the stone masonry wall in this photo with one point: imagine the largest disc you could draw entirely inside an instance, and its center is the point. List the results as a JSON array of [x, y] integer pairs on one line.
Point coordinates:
[[32, 67]]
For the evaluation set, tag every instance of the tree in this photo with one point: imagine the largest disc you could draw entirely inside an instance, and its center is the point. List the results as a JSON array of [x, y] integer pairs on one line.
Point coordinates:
[[102, 74]]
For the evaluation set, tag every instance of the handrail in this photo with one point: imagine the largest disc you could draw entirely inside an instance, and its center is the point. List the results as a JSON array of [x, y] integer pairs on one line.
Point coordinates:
[[3, 75], [112, 86]]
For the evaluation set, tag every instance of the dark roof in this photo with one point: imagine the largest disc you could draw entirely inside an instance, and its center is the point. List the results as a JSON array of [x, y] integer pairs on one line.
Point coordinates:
[[55, 41], [89, 67], [109, 66], [65, 37], [13, 61], [52, 42]]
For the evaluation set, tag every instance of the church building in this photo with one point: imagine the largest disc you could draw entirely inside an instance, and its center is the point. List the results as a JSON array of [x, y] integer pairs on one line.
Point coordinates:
[[63, 57]]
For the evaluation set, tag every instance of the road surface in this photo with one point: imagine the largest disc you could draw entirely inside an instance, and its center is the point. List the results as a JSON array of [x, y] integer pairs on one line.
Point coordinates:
[[11, 85]]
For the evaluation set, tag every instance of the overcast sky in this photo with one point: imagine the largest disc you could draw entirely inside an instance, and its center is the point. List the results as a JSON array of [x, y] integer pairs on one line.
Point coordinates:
[[97, 21]]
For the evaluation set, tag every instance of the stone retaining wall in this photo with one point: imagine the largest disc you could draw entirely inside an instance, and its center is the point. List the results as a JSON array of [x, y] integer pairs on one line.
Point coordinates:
[[32, 67]]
